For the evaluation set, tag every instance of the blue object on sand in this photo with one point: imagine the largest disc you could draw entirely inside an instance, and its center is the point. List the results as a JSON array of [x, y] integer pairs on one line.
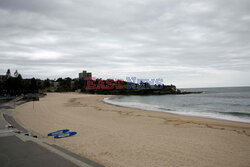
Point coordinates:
[[66, 134], [58, 132]]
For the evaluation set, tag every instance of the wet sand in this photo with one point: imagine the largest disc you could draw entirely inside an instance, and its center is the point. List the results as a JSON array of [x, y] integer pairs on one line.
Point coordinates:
[[125, 137]]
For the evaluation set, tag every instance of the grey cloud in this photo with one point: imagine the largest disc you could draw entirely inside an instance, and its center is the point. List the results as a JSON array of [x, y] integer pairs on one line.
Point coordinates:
[[177, 40]]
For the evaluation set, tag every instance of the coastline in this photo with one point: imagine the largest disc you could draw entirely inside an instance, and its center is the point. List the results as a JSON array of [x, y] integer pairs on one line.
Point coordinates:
[[169, 112], [120, 136], [207, 121]]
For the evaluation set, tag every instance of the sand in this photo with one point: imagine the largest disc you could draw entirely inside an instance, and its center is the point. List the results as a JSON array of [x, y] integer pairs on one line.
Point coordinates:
[[125, 137]]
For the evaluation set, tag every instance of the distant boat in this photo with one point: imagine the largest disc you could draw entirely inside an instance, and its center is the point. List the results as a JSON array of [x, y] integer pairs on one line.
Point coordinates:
[[66, 134], [58, 132]]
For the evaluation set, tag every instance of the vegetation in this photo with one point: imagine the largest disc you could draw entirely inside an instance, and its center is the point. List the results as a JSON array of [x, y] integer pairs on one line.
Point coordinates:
[[134, 89], [16, 85]]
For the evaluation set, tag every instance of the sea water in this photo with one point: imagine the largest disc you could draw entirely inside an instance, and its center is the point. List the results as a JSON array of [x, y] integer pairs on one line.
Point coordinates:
[[228, 103]]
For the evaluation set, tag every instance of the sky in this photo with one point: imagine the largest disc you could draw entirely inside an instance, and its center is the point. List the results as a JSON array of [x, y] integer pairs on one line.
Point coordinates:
[[188, 43]]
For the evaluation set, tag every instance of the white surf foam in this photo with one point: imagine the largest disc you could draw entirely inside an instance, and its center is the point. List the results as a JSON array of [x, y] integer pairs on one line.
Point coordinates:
[[186, 113]]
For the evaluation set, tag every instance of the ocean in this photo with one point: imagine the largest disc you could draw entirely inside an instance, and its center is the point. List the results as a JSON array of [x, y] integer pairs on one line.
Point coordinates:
[[226, 103]]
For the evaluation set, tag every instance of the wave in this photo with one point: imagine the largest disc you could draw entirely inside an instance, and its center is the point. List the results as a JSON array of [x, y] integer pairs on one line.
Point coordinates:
[[236, 114], [229, 116]]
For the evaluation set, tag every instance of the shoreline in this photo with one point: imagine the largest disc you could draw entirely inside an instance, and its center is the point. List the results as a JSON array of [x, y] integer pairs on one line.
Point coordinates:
[[185, 115], [112, 135]]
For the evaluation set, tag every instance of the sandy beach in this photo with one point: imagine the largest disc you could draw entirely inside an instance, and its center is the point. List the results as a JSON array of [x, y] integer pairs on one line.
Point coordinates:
[[124, 137]]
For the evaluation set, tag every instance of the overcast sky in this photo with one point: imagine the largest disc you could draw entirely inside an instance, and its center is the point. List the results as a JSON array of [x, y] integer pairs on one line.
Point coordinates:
[[188, 43]]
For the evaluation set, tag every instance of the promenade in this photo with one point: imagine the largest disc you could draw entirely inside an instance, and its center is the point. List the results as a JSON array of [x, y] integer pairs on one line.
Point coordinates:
[[18, 149]]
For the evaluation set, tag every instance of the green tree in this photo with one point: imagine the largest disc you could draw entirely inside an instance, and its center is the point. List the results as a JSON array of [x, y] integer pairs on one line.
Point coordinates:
[[64, 84], [46, 83], [16, 74], [8, 73], [33, 86]]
